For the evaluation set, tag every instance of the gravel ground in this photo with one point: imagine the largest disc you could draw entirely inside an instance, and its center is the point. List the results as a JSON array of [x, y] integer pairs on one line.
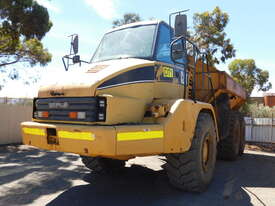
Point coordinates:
[[29, 176]]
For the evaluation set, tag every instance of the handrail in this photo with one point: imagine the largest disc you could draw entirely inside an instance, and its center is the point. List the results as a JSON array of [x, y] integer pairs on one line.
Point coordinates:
[[197, 54]]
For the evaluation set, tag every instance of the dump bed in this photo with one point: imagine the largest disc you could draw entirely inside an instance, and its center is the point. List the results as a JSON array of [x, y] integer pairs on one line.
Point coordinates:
[[221, 82]]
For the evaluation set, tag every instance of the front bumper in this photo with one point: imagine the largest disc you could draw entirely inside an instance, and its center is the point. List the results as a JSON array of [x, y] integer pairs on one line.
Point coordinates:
[[108, 141]]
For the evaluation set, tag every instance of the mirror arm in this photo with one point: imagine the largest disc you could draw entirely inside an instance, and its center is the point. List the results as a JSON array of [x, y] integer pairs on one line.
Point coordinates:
[[71, 58], [84, 61], [65, 65]]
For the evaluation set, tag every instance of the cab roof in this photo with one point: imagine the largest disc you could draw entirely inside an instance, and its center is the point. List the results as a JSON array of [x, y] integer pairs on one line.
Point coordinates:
[[140, 23]]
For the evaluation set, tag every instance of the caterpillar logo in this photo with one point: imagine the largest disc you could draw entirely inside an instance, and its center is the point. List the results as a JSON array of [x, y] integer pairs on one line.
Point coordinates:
[[53, 93], [58, 105]]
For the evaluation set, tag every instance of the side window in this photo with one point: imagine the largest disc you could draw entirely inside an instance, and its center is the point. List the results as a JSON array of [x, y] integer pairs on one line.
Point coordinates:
[[163, 45]]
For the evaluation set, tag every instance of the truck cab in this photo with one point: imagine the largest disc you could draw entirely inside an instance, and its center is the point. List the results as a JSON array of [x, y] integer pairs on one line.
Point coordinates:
[[132, 62]]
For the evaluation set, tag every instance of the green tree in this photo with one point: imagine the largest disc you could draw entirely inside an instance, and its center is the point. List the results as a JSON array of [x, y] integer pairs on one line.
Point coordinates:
[[259, 110], [23, 23], [249, 76], [126, 19], [210, 37]]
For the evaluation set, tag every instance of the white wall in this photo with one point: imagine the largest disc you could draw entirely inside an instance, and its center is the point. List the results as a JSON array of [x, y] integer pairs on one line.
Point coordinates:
[[11, 115]]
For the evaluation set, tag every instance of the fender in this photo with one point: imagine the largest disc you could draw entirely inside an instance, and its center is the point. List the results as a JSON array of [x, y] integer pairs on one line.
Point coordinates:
[[180, 124]]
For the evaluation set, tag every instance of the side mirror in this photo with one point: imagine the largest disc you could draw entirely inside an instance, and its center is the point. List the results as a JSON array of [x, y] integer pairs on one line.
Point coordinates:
[[75, 44], [177, 51], [180, 25], [76, 59], [72, 56]]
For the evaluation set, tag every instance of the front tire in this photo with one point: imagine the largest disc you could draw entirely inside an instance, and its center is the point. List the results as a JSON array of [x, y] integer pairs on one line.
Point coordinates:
[[193, 170], [102, 165], [242, 137]]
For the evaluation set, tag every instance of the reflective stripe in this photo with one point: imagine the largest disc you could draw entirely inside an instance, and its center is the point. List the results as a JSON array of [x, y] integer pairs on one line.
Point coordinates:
[[126, 136], [76, 135], [34, 131]]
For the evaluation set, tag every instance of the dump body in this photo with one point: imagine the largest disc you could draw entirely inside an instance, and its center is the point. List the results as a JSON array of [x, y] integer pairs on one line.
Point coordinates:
[[221, 83]]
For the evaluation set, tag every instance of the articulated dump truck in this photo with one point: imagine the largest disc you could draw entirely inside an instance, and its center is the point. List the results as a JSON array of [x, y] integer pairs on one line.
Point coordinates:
[[148, 90]]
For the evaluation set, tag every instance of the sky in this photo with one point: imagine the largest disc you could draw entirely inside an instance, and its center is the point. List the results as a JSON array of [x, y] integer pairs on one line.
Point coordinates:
[[251, 29]]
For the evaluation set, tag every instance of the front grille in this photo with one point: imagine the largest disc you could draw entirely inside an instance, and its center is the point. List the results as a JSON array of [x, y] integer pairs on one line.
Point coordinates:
[[59, 108]]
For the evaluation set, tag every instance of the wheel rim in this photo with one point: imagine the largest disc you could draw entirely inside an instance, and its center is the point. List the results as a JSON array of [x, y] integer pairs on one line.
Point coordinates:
[[205, 153]]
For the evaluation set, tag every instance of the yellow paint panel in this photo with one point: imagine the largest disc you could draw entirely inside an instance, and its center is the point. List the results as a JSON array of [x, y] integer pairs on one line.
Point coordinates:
[[76, 135], [122, 98], [34, 131], [128, 136]]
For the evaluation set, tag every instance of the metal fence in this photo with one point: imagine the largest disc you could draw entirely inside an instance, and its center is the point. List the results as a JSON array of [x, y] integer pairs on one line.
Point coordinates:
[[15, 101], [13, 111], [260, 130]]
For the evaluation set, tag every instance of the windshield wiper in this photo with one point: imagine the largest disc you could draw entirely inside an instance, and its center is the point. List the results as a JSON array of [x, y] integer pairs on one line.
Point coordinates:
[[125, 57]]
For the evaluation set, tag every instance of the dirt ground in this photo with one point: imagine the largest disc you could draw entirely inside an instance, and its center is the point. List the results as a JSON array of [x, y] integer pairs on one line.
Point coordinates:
[[29, 176], [264, 147]]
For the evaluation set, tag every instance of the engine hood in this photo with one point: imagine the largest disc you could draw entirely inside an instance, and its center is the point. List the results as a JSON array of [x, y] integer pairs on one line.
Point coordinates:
[[85, 81]]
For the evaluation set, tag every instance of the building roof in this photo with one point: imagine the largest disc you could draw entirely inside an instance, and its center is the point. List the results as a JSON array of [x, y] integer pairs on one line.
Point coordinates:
[[269, 94]]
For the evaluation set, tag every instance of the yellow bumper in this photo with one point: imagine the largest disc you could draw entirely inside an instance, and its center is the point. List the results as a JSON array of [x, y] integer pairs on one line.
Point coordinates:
[[109, 141]]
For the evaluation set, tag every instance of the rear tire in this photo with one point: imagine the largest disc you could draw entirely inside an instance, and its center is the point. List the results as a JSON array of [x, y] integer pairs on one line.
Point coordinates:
[[193, 170], [232, 145], [242, 137], [102, 165]]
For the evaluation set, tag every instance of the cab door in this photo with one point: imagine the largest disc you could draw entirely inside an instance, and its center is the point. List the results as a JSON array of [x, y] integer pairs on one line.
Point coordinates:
[[169, 77]]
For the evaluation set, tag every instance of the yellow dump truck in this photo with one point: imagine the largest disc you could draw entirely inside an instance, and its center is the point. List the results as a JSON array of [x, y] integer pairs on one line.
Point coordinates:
[[148, 91]]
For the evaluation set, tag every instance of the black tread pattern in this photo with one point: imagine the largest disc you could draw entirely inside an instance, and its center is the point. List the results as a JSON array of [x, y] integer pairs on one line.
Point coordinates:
[[102, 165], [227, 146], [182, 169], [242, 141]]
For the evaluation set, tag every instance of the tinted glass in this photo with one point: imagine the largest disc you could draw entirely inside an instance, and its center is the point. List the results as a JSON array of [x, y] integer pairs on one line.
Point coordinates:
[[163, 45]]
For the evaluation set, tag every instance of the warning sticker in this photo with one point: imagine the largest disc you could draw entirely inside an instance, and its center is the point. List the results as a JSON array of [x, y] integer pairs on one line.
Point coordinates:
[[168, 72]]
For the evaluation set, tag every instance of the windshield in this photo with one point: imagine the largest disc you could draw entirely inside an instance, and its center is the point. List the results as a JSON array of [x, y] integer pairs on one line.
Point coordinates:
[[130, 42]]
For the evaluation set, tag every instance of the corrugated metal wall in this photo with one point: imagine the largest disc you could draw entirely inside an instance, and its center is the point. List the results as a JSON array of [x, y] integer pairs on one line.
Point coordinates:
[[260, 129]]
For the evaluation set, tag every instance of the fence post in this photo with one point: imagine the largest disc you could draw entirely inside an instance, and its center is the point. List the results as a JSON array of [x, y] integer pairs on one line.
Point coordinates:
[[272, 129], [251, 118]]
